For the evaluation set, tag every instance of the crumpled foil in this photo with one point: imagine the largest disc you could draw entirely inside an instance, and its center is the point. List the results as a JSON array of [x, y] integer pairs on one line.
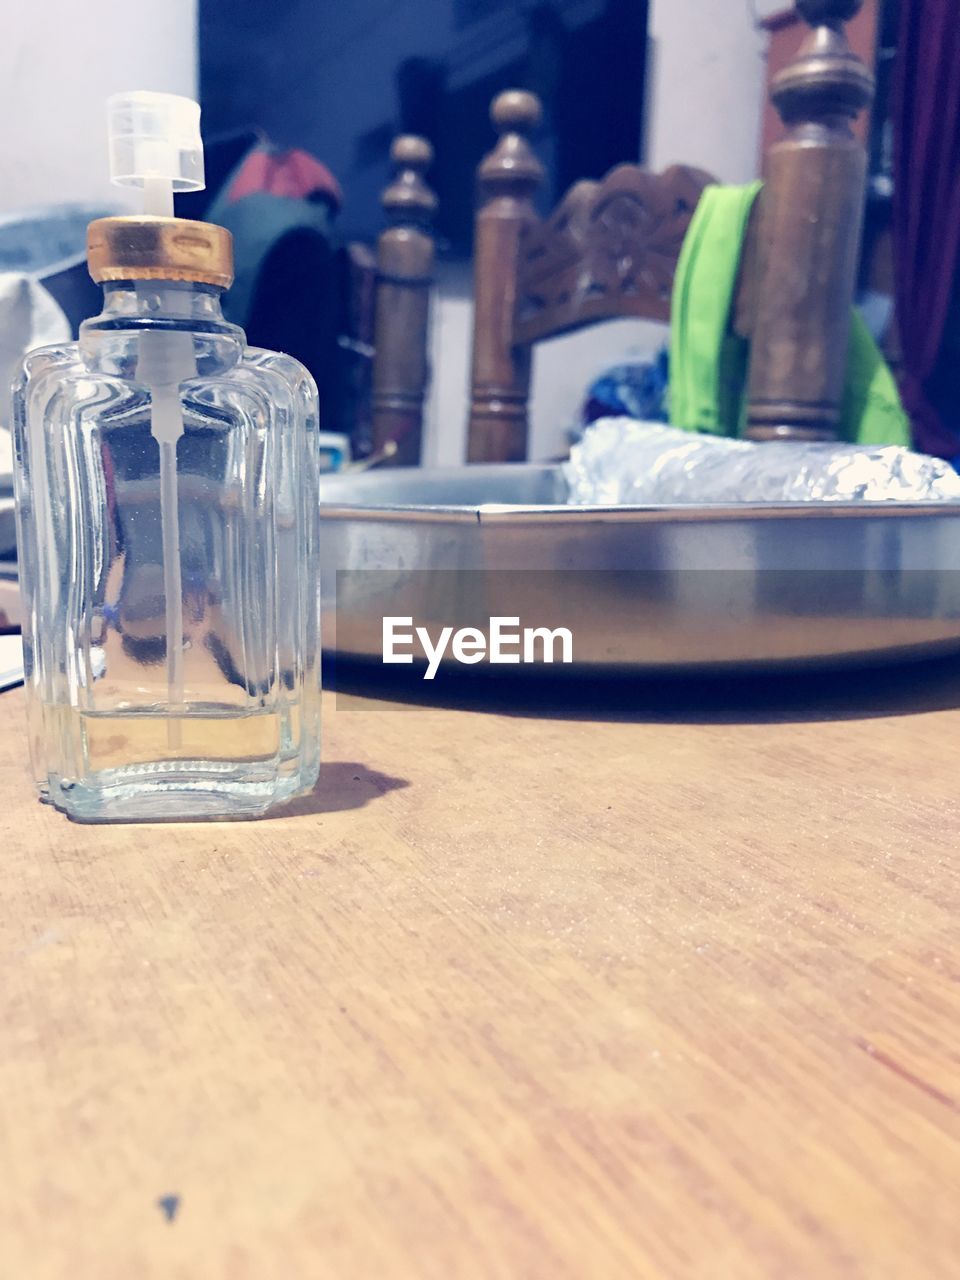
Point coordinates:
[[622, 462]]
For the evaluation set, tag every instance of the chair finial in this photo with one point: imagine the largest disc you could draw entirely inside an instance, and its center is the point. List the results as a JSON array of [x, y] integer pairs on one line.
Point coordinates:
[[408, 196], [515, 114], [826, 79], [516, 111], [411, 152]]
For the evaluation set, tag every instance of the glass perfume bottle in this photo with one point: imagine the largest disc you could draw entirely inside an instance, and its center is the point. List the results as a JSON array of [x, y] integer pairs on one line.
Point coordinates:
[[167, 486]]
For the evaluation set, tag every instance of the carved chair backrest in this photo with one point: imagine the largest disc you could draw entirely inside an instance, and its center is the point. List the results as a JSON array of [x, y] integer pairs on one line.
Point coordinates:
[[609, 249]]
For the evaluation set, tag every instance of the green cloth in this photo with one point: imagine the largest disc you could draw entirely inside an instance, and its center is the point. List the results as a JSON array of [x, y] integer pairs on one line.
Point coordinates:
[[708, 361]]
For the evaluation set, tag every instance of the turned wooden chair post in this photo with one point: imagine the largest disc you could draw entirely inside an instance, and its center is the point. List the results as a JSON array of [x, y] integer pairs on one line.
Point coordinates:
[[405, 256], [810, 218], [508, 177]]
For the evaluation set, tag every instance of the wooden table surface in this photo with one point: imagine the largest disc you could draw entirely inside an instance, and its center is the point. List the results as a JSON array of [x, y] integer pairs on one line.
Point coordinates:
[[645, 982]]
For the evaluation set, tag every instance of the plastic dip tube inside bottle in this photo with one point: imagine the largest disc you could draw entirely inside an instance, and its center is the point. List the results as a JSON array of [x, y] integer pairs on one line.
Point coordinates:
[[153, 143], [165, 360]]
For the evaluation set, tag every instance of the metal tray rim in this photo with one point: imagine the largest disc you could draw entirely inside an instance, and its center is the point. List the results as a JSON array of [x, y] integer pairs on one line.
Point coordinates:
[[553, 512], [473, 512]]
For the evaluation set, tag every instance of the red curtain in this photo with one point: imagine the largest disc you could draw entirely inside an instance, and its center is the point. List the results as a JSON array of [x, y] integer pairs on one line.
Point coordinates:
[[926, 217]]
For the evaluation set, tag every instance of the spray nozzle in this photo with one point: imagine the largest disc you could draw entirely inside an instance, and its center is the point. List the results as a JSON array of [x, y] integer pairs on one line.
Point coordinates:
[[155, 144]]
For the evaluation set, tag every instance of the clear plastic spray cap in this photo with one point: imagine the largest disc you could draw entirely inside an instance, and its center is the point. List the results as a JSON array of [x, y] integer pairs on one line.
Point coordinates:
[[155, 144]]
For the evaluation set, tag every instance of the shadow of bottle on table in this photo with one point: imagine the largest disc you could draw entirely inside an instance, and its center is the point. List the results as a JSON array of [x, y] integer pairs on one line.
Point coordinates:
[[342, 785]]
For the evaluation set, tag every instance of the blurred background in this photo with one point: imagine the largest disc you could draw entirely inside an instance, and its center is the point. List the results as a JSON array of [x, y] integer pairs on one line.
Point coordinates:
[[320, 88], [621, 80]]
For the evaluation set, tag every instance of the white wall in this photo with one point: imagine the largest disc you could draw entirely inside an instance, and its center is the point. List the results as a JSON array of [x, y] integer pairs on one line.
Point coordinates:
[[451, 333], [707, 86], [59, 61]]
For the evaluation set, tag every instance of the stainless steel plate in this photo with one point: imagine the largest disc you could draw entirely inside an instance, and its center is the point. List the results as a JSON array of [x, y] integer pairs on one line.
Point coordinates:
[[641, 588]]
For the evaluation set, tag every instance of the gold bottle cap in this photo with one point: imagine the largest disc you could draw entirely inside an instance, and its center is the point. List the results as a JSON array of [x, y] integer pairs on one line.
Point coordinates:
[[150, 248]]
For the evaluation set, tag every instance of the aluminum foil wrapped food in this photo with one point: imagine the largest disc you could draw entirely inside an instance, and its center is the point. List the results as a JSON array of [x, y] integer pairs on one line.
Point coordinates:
[[620, 461]]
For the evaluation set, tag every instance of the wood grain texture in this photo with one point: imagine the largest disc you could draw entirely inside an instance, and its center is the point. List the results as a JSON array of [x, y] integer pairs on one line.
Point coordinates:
[[636, 984]]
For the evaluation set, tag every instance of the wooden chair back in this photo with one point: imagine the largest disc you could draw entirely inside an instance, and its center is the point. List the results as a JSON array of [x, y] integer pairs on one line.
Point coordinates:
[[405, 260], [610, 249]]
